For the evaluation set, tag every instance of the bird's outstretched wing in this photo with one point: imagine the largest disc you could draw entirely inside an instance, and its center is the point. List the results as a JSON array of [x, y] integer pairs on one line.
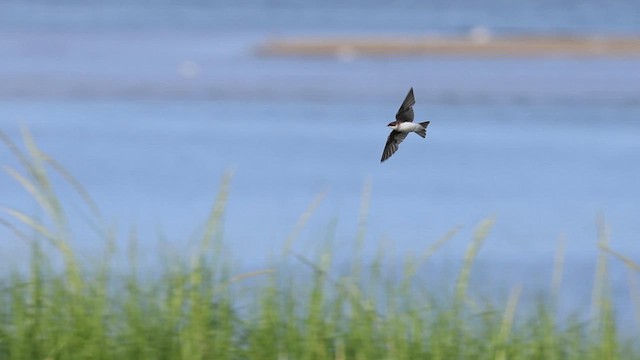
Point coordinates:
[[394, 139], [405, 113]]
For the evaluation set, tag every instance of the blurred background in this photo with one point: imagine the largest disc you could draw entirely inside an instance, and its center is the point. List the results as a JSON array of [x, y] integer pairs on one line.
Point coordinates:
[[148, 103]]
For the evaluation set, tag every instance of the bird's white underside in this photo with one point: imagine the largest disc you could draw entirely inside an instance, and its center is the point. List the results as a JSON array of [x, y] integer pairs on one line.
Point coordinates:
[[407, 127]]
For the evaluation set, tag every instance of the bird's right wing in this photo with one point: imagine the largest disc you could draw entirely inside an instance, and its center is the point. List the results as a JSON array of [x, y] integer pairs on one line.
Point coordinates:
[[394, 139]]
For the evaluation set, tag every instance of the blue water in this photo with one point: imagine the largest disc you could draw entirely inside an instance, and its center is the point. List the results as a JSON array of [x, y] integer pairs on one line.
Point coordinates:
[[149, 104], [547, 16]]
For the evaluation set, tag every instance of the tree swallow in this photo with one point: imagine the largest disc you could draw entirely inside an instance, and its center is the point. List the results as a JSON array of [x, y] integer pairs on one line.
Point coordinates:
[[403, 126]]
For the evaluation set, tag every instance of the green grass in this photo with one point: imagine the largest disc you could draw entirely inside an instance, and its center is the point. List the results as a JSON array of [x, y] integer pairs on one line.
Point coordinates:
[[200, 307]]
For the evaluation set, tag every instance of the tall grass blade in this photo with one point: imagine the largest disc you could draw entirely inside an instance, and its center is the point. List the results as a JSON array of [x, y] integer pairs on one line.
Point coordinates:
[[600, 278], [480, 234], [14, 229], [625, 259], [34, 225], [604, 321], [75, 184], [32, 189], [212, 225], [302, 221], [412, 268], [15, 150], [633, 269], [39, 175], [507, 322]]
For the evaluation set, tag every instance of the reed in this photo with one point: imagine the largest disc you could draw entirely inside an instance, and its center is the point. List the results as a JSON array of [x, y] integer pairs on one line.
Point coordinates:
[[201, 307]]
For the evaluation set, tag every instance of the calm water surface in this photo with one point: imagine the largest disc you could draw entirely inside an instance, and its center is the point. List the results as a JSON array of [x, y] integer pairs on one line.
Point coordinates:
[[159, 163]]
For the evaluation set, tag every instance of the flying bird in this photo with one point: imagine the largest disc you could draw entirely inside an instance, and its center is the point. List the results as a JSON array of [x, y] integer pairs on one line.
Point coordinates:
[[403, 126]]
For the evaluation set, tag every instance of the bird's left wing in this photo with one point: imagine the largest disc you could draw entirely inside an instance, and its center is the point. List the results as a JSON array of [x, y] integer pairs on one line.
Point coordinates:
[[394, 139], [405, 113]]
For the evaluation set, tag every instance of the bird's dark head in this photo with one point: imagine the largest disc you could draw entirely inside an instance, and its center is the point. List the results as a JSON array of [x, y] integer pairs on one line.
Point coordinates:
[[392, 124]]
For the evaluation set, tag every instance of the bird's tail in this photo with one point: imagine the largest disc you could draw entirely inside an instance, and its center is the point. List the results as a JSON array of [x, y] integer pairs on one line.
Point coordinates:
[[423, 132]]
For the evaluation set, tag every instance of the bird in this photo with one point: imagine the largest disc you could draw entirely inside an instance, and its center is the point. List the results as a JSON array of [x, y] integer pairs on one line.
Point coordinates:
[[403, 126]]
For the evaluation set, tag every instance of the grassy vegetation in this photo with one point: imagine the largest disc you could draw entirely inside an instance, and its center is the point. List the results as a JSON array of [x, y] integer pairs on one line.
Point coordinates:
[[199, 307]]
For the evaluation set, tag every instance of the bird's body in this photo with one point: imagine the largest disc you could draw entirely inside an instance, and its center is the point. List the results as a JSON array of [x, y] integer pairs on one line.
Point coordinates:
[[407, 127], [403, 126]]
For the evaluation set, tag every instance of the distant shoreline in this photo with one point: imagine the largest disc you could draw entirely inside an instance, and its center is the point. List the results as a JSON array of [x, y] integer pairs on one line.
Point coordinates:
[[474, 45]]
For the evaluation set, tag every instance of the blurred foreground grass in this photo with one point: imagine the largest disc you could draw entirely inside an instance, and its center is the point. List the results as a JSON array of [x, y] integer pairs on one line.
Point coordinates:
[[199, 307]]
